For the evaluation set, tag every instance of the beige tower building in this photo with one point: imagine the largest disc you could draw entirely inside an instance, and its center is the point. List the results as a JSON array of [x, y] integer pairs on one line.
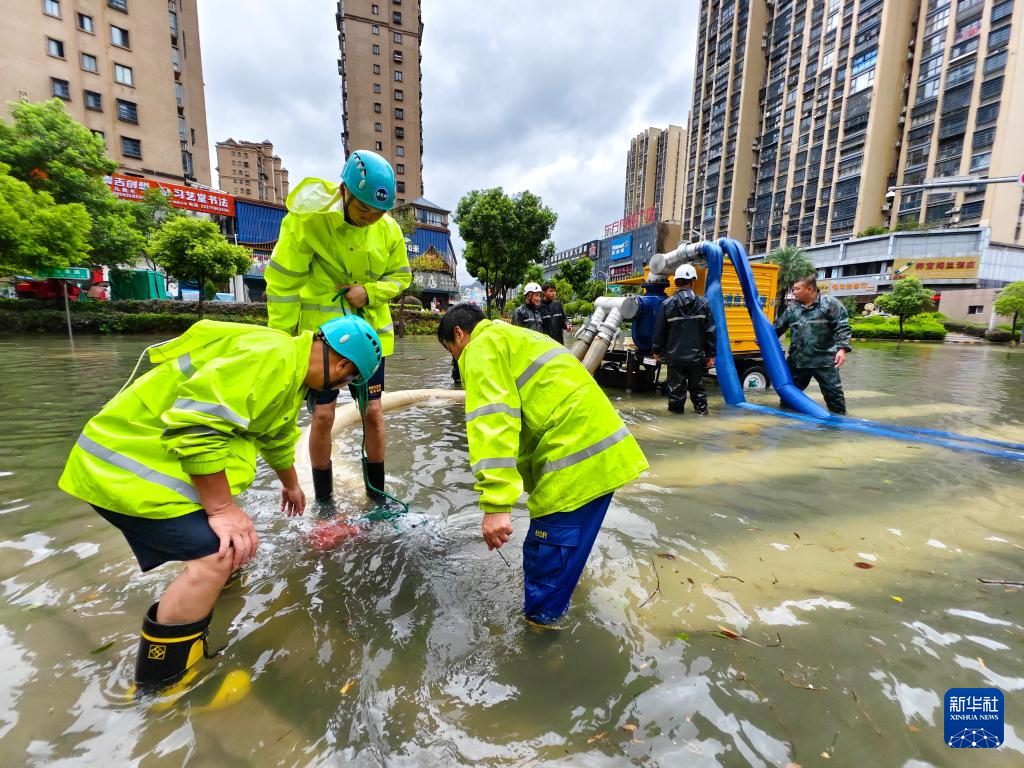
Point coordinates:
[[964, 117], [248, 169], [805, 112], [130, 71], [380, 85], [654, 173]]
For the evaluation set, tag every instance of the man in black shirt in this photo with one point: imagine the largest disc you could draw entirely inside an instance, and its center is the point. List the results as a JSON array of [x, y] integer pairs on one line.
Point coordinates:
[[551, 308], [527, 314]]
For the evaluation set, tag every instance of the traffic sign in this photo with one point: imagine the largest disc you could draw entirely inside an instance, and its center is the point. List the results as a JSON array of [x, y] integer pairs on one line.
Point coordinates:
[[69, 273], [1020, 179]]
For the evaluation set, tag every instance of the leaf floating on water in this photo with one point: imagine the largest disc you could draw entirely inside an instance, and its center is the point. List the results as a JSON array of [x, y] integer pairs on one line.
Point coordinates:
[[344, 689], [597, 737], [981, 662], [826, 755], [896, 598], [728, 633], [102, 648], [796, 534], [865, 566], [667, 555], [683, 636], [692, 582], [629, 727], [913, 728]]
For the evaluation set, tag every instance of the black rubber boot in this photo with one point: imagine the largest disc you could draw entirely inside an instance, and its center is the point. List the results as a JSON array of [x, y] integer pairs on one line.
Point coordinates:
[[166, 651], [323, 483], [700, 403], [375, 481]]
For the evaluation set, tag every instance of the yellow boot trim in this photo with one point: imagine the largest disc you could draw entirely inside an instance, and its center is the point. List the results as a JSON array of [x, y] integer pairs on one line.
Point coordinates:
[[165, 640], [234, 688]]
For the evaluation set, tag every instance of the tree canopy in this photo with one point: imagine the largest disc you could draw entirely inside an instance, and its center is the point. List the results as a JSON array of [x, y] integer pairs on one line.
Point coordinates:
[[503, 236], [908, 298], [1010, 302], [49, 151], [193, 249], [36, 234], [578, 274], [793, 264]]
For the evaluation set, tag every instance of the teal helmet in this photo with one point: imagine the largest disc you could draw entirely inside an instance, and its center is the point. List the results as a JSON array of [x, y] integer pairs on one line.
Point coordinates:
[[354, 339], [370, 178]]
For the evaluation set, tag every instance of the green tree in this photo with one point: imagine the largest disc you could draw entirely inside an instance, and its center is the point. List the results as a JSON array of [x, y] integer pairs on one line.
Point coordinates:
[[793, 264], [36, 234], [52, 153], [578, 274], [875, 230], [850, 304], [1010, 301], [907, 299], [193, 249], [503, 236]]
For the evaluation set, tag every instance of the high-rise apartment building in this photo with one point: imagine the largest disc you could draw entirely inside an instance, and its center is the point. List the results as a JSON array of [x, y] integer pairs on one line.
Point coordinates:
[[794, 140], [130, 71], [964, 116], [248, 169], [380, 85], [654, 173]]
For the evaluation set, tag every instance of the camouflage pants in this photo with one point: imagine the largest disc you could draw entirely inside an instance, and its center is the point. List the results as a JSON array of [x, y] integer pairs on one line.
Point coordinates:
[[828, 381]]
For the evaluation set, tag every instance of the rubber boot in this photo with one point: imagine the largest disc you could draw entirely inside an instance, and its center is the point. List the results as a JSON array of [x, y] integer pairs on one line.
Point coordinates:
[[700, 403], [375, 481], [323, 490], [167, 651]]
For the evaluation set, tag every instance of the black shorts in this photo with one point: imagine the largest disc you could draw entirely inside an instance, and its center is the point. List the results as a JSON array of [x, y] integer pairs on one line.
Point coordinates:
[[375, 387], [159, 541]]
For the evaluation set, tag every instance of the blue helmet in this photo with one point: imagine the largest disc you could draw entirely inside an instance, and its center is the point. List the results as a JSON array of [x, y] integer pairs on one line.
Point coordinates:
[[354, 339], [370, 178]]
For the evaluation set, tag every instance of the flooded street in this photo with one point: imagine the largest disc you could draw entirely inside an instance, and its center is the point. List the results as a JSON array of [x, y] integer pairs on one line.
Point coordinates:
[[768, 593]]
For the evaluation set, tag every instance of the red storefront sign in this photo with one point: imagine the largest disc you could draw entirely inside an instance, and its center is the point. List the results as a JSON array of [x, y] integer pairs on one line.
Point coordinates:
[[189, 198], [627, 223]]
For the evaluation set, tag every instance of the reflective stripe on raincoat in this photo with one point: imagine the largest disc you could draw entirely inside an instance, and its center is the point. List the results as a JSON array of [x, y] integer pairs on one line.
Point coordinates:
[[537, 421], [220, 393], [318, 251]]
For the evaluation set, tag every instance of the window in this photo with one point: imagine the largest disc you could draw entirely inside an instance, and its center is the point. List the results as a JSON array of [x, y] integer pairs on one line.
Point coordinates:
[[400, 186], [995, 62], [396, 17], [376, 69], [118, 5], [55, 48], [398, 75], [60, 88], [179, 95], [131, 147], [400, 168], [860, 82], [377, 107], [119, 37], [51, 8], [399, 113], [378, 128], [399, 94], [182, 128], [397, 56], [375, 29], [127, 111], [375, 9], [399, 132], [376, 50], [93, 101], [175, 59], [400, 151], [89, 63], [998, 38], [397, 37], [928, 90], [376, 87], [980, 161], [123, 74], [378, 145], [85, 23], [975, 309]]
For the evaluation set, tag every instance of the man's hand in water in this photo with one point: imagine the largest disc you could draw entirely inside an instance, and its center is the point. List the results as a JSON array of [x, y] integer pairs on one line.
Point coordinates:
[[497, 528]]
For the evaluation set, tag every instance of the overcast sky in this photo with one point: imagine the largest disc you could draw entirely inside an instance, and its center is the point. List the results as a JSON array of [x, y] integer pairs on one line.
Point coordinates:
[[531, 95]]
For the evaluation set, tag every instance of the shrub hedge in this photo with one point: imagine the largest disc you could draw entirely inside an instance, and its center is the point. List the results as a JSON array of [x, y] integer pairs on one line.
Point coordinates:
[[924, 327]]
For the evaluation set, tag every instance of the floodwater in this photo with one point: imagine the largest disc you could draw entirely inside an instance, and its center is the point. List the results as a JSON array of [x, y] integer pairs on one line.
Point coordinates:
[[405, 646]]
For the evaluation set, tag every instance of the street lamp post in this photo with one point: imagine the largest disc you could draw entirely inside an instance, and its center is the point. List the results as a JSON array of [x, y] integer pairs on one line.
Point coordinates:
[[607, 278]]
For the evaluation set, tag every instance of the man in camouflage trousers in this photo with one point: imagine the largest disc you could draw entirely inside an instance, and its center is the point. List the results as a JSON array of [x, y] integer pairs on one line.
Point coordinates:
[[819, 340]]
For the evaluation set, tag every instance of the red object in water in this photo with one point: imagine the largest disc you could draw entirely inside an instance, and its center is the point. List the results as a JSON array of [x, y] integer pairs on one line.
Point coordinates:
[[330, 533]]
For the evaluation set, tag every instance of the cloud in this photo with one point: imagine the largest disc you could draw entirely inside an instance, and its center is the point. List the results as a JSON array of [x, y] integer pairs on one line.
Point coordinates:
[[544, 96]]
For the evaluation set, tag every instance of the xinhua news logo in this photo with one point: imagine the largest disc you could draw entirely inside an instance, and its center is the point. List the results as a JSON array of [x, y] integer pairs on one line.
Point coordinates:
[[974, 718]]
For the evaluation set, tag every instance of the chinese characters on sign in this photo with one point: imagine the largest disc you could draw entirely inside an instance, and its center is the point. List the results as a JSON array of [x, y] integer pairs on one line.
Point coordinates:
[[936, 269], [849, 286], [626, 223], [189, 198]]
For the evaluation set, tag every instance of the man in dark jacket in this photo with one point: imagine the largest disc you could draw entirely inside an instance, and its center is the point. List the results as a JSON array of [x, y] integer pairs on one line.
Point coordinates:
[[527, 314], [819, 340], [684, 337], [551, 308]]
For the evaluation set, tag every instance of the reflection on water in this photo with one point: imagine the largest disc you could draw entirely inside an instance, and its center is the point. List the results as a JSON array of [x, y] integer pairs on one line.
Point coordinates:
[[723, 619]]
